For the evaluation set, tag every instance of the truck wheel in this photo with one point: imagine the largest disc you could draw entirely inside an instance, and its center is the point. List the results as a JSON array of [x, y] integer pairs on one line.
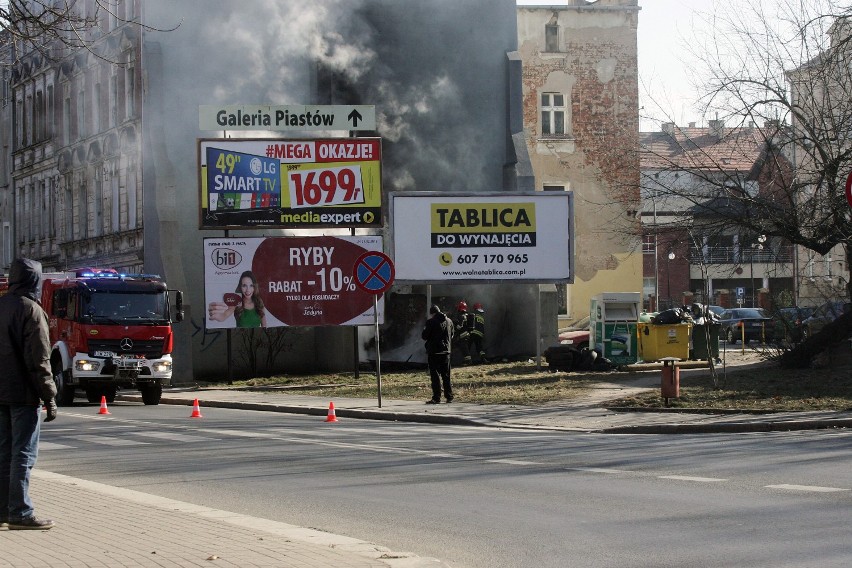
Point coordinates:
[[64, 391], [93, 395], [151, 394], [109, 393]]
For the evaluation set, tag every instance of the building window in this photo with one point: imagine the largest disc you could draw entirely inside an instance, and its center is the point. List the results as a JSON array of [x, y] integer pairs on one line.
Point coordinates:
[[81, 114], [553, 114], [129, 91], [7, 244], [553, 187], [551, 38], [649, 244], [98, 108]]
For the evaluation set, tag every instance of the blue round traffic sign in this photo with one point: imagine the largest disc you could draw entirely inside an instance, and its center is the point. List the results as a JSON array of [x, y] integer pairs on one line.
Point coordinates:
[[373, 272]]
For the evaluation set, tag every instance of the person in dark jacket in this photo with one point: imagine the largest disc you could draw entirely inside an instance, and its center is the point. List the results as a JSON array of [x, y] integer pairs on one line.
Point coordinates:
[[25, 381], [438, 334]]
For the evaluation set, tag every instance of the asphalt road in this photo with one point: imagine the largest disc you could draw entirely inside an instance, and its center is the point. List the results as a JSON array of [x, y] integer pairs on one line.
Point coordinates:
[[477, 497]]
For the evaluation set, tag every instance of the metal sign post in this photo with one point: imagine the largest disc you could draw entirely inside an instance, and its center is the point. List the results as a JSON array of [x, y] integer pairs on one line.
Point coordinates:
[[374, 273]]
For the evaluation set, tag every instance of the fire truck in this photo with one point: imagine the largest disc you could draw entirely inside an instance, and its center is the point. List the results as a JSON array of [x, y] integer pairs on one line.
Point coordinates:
[[110, 331]]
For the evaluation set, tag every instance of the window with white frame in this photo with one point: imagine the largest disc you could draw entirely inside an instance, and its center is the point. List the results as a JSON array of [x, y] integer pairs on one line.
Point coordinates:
[[553, 114]]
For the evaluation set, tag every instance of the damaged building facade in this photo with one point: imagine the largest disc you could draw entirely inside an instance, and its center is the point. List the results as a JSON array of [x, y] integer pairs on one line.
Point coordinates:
[[580, 105], [103, 166]]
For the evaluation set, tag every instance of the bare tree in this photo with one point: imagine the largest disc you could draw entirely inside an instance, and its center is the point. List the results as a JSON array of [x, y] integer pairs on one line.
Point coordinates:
[[777, 76], [51, 27]]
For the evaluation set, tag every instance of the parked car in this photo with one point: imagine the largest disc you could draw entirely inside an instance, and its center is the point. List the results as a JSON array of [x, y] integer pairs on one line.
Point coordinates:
[[716, 309], [788, 324], [826, 313], [576, 334], [754, 321]]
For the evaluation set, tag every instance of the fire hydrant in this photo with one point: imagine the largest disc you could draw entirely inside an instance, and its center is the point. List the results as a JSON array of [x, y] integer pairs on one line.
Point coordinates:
[[670, 383]]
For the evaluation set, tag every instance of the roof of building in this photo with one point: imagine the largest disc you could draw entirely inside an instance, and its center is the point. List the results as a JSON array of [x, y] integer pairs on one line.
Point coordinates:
[[714, 147]]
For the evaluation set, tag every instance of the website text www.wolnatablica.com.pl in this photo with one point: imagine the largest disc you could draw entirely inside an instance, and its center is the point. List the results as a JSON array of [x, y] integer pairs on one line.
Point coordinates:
[[484, 272]]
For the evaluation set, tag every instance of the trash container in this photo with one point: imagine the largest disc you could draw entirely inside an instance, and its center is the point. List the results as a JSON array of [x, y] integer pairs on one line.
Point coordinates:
[[657, 341], [701, 334]]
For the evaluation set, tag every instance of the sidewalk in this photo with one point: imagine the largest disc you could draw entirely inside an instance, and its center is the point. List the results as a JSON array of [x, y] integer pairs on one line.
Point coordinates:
[[102, 526]]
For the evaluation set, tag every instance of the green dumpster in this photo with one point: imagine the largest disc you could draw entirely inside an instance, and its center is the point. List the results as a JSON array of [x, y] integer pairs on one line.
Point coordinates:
[[705, 342]]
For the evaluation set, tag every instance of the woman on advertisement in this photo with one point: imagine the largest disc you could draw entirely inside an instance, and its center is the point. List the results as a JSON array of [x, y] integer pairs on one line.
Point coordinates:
[[245, 304]]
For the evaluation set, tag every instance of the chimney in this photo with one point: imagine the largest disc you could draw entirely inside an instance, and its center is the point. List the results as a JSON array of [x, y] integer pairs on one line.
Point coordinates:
[[717, 127], [668, 128], [692, 125]]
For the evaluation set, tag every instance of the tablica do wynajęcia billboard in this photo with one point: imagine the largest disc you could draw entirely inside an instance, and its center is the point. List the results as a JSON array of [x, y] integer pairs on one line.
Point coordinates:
[[286, 281], [251, 183], [481, 237]]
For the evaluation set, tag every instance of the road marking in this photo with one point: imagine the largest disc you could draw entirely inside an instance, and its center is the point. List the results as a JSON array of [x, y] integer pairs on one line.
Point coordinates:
[[53, 446], [691, 478], [175, 436], [598, 470], [813, 488], [237, 433], [514, 462], [109, 441]]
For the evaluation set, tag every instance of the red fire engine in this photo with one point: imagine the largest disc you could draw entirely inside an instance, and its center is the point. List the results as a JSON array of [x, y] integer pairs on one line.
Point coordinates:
[[110, 331]]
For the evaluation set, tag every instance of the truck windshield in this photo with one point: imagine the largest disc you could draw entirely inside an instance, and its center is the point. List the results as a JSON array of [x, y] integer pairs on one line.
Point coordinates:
[[126, 308]]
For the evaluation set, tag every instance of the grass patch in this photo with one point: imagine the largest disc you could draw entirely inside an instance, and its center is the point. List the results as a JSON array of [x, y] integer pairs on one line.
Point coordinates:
[[761, 388], [765, 387]]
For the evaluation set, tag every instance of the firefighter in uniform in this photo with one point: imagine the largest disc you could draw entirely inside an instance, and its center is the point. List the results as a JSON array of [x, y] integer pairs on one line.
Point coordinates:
[[463, 325], [477, 333]]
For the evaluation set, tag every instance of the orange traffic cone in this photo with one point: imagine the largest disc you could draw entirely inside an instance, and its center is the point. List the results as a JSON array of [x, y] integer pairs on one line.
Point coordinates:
[[196, 411], [104, 409], [332, 417]]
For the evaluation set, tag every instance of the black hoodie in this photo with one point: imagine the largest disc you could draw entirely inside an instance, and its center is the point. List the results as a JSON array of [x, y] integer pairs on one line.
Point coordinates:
[[24, 341]]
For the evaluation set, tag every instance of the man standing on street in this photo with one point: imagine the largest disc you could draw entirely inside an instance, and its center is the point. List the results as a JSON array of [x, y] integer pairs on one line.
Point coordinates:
[[438, 335], [25, 381]]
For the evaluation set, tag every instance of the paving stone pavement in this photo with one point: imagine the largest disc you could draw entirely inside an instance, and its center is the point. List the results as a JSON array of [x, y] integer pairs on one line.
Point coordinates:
[[100, 526]]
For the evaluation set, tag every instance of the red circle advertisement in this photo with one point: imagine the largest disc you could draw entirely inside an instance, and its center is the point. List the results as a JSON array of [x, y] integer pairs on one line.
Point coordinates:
[[309, 281]]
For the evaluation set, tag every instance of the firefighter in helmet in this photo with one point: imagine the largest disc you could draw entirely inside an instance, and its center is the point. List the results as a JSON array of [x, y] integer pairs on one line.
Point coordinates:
[[463, 326], [477, 332]]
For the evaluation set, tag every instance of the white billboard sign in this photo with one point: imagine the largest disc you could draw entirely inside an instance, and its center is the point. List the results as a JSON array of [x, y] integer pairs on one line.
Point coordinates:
[[440, 237], [286, 117]]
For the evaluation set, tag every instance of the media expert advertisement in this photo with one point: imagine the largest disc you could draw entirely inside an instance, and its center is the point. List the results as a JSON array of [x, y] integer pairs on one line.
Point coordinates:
[[276, 183], [481, 237], [286, 281]]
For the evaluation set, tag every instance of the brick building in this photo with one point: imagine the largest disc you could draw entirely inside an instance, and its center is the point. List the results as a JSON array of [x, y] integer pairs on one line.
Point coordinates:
[[581, 120]]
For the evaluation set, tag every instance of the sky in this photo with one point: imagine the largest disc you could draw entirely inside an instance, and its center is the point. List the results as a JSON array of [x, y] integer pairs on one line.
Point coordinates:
[[664, 27]]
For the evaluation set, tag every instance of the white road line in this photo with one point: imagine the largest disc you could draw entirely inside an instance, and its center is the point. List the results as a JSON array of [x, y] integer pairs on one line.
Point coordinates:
[[174, 436], [813, 488], [237, 433], [53, 446], [598, 470], [691, 478], [515, 462], [109, 441]]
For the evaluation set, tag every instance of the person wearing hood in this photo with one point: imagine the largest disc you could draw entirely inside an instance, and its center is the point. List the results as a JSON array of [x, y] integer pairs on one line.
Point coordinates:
[[25, 382], [438, 334]]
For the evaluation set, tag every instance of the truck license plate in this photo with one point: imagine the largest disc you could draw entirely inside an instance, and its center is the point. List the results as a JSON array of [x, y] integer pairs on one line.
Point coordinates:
[[106, 354]]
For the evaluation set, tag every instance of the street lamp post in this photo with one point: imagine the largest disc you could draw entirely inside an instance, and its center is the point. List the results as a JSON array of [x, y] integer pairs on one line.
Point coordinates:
[[669, 277], [758, 246]]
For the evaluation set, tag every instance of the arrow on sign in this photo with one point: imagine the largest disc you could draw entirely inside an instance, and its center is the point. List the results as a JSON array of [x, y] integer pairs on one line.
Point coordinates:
[[355, 116]]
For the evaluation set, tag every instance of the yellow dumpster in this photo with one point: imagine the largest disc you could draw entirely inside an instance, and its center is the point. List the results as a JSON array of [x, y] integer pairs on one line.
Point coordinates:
[[660, 340]]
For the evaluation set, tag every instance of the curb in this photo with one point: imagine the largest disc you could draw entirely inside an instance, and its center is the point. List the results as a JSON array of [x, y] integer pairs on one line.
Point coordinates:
[[710, 428]]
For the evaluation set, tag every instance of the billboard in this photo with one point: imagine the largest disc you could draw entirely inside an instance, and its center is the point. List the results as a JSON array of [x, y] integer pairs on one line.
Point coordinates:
[[253, 183], [440, 237], [286, 281]]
